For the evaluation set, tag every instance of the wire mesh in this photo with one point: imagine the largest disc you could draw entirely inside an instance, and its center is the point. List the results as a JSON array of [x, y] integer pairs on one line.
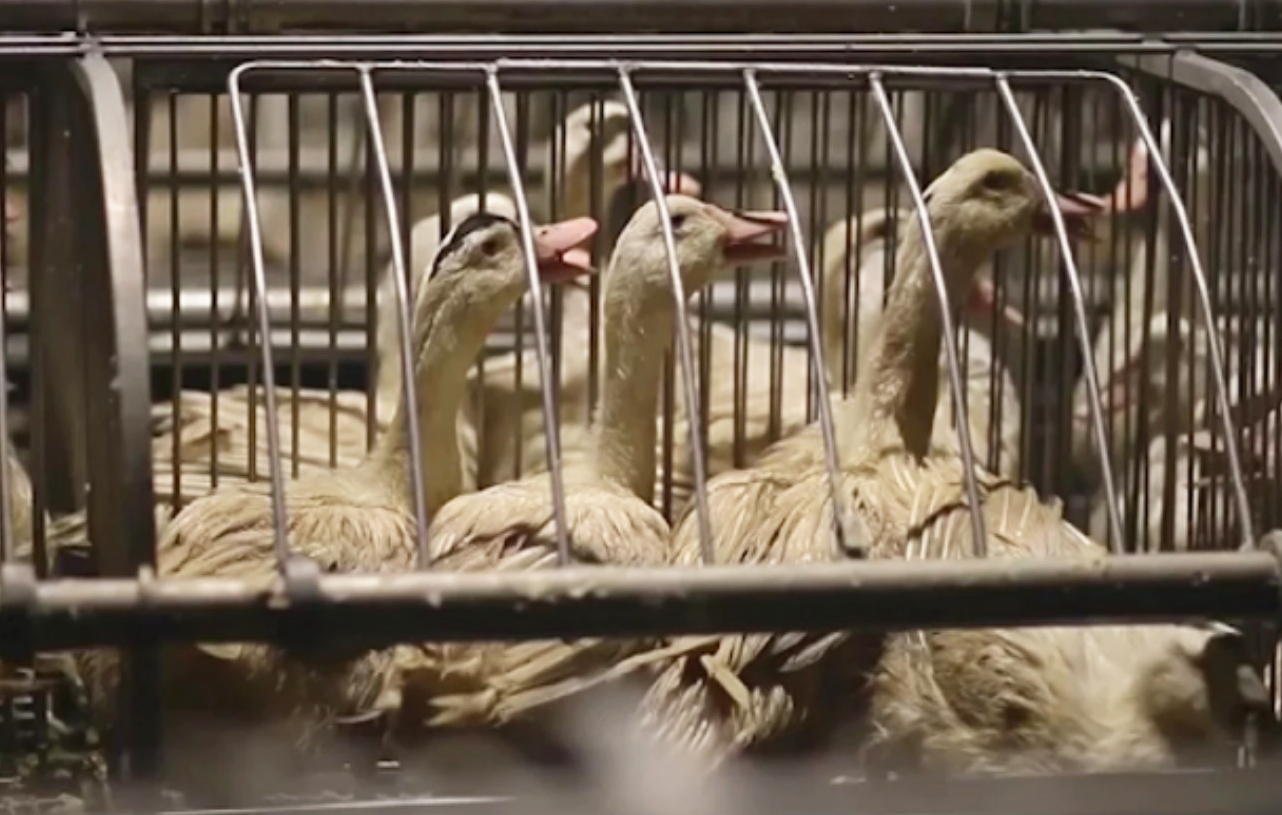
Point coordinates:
[[761, 314]]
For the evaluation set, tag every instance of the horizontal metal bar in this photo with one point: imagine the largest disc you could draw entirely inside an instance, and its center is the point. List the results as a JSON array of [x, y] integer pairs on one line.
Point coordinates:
[[585, 601], [233, 16], [811, 788]]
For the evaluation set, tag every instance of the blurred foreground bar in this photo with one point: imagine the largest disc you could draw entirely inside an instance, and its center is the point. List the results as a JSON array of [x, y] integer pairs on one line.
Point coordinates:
[[377, 610]]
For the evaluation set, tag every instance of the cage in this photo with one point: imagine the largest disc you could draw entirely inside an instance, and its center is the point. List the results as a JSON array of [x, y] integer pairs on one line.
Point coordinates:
[[252, 202]]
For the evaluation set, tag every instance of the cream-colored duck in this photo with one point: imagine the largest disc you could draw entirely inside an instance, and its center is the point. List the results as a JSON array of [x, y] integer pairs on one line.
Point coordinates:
[[511, 416], [1004, 700], [211, 456], [864, 297], [425, 238], [736, 693], [608, 488], [357, 519]]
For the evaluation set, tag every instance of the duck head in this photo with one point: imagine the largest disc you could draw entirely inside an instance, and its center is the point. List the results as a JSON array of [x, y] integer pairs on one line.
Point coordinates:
[[606, 127], [993, 200], [707, 237], [481, 258]]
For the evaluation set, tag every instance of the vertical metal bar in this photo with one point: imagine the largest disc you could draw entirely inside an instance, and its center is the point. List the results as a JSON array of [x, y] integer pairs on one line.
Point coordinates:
[[279, 540], [295, 281], [774, 362], [215, 321], [175, 291], [336, 290], [546, 384], [1079, 309], [255, 336], [1242, 504], [684, 352], [895, 138], [7, 544], [409, 393], [843, 538], [523, 118]]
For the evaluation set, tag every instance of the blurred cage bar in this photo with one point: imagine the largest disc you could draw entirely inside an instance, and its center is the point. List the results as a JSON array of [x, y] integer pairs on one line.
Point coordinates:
[[167, 366]]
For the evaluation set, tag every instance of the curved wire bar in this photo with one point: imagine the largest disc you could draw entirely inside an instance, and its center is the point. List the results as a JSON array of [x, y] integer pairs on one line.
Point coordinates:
[[946, 316], [843, 534], [1112, 505], [7, 543], [552, 438], [280, 542], [684, 352], [1218, 377], [409, 395], [842, 73]]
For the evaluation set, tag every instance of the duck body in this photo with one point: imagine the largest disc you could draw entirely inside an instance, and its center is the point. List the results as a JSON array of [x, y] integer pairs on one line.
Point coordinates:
[[781, 510], [359, 519], [1047, 699], [608, 486]]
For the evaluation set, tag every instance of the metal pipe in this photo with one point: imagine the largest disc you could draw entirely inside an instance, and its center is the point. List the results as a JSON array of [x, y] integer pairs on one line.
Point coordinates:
[[280, 540], [948, 329], [842, 529], [1079, 312], [259, 16], [547, 385], [409, 392], [586, 601], [690, 387]]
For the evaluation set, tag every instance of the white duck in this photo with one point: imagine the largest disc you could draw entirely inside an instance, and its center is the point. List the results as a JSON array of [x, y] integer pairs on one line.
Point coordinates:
[[608, 488], [736, 693], [354, 519], [212, 453]]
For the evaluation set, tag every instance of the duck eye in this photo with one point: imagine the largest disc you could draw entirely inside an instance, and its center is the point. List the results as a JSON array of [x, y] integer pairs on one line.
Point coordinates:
[[490, 247], [677, 222], [995, 180]]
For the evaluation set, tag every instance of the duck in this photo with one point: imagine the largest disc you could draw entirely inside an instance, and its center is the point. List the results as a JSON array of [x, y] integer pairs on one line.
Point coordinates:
[[1054, 699], [359, 519], [730, 695], [335, 429], [608, 491], [507, 404], [985, 375]]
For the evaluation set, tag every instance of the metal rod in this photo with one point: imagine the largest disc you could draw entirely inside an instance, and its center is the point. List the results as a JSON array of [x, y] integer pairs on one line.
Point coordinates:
[[280, 541], [896, 139], [547, 383], [842, 532], [1079, 313], [1216, 351], [203, 17], [690, 387], [409, 396], [592, 601]]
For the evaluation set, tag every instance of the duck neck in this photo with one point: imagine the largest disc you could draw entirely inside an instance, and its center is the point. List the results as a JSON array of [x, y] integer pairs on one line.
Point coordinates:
[[638, 333], [898, 386], [447, 343]]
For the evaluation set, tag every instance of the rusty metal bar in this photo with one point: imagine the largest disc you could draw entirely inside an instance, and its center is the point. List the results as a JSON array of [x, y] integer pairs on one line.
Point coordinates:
[[584, 601]]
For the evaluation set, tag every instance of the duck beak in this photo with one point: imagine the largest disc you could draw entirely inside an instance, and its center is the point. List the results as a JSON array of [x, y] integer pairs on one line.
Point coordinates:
[[673, 182], [742, 231], [983, 300], [1131, 193], [558, 250], [1078, 210]]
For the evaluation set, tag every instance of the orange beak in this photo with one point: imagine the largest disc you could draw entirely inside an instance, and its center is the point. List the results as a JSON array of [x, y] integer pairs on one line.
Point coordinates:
[[743, 229], [558, 249], [1078, 211]]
